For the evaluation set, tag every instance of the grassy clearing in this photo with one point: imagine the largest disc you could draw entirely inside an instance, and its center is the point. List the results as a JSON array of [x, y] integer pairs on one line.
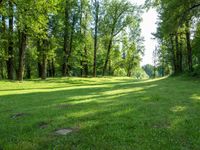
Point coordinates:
[[106, 113]]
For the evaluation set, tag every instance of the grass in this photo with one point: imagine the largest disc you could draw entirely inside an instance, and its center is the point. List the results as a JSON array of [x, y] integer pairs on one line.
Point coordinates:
[[107, 113]]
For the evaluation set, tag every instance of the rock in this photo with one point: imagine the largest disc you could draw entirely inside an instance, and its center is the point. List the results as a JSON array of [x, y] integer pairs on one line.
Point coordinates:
[[64, 131]]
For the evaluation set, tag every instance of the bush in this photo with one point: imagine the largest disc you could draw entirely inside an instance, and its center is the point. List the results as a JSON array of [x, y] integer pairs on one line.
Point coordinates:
[[196, 72]]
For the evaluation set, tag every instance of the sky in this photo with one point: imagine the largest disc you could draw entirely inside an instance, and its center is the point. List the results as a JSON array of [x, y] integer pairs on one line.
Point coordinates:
[[148, 26]]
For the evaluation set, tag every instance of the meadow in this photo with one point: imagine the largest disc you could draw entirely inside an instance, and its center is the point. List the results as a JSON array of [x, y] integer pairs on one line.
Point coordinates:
[[101, 113]]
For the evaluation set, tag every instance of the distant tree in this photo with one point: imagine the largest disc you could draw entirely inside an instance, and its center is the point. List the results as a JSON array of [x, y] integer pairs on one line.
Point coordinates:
[[149, 69]]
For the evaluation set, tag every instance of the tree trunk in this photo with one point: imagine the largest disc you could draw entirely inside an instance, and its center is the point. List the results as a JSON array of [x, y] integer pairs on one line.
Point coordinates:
[[189, 49], [28, 71], [177, 55], [110, 68], [173, 54], [43, 67], [95, 37], [39, 70], [66, 40], [53, 68], [107, 56], [44, 60], [181, 55], [10, 61], [22, 48], [86, 62], [3, 28]]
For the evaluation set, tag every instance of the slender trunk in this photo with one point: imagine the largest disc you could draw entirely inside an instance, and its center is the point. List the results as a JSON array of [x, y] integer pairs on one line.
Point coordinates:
[[39, 70], [43, 67], [107, 56], [3, 28], [95, 37], [177, 54], [53, 68], [173, 54], [44, 61], [70, 46], [10, 61], [49, 72], [28, 71], [110, 68], [39, 60], [181, 55], [189, 49], [163, 68], [22, 48], [86, 62], [66, 40], [81, 63]]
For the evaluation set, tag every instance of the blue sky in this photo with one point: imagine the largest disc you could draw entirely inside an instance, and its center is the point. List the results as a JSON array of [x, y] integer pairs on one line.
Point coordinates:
[[148, 26]]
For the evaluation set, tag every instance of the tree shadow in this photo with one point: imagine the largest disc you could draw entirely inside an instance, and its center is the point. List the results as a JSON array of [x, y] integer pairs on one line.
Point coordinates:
[[152, 114]]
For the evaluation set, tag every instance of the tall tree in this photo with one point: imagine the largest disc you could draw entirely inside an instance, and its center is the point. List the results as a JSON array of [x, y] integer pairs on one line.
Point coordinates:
[[10, 61], [96, 14]]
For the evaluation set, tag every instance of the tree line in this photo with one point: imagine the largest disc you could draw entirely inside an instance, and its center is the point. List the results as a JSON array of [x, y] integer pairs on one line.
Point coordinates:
[[178, 36], [69, 38]]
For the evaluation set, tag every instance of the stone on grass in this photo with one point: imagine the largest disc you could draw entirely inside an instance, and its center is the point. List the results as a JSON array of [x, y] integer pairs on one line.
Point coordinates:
[[64, 131]]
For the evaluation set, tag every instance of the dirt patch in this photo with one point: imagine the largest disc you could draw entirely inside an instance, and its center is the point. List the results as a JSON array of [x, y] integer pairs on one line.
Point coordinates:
[[18, 115], [43, 125]]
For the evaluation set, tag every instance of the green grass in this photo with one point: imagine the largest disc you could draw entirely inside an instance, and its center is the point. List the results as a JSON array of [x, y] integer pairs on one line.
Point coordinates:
[[107, 113]]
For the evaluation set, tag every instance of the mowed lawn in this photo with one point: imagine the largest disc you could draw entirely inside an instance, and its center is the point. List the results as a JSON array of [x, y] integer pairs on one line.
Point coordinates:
[[103, 113]]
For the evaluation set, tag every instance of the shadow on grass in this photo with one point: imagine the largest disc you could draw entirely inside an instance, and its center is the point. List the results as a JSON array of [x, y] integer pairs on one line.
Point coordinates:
[[153, 114]]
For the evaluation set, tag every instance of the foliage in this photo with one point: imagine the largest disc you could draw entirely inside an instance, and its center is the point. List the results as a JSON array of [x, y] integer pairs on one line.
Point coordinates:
[[58, 36]]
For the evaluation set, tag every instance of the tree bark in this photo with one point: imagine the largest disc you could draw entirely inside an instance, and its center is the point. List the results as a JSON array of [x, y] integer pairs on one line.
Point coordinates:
[[22, 49], [43, 67], [3, 28], [66, 40], [39, 69], [10, 61], [95, 37], [28, 71], [53, 68], [86, 61], [189, 49], [107, 55], [181, 55], [177, 54], [44, 61], [173, 54]]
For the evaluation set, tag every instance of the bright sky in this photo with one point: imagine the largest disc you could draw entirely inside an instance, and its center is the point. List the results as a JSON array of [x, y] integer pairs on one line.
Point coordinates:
[[148, 27]]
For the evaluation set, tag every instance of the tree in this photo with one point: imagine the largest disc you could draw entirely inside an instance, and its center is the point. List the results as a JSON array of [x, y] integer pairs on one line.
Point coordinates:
[[118, 16], [96, 18]]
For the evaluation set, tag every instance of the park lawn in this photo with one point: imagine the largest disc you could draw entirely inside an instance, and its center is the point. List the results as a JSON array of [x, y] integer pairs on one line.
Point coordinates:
[[103, 113]]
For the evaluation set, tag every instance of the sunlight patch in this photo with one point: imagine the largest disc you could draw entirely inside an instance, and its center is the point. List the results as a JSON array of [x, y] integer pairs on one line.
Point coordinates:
[[178, 108], [122, 91], [196, 98]]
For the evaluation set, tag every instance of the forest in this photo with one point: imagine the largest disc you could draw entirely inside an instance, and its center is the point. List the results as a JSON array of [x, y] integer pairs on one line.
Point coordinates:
[[178, 34], [72, 75], [69, 38]]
